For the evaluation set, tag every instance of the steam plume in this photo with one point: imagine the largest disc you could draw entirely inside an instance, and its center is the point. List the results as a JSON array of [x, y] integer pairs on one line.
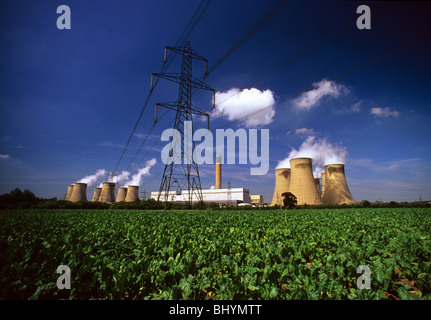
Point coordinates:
[[92, 179], [320, 150], [145, 171]]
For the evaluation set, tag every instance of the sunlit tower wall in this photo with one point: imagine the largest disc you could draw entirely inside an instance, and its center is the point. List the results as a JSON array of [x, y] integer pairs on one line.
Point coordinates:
[[336, 188], [121, 194], [302, 184], [69, 192], [322, 175], [132, 194], [282, 182], [96, 194], [108, 192], [79, 192]]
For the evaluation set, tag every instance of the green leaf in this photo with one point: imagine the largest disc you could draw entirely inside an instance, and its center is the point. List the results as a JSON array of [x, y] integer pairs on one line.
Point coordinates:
[[405, 295]]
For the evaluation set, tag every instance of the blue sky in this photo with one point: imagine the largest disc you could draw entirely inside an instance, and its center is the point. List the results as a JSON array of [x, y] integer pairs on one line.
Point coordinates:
[[69, 99]]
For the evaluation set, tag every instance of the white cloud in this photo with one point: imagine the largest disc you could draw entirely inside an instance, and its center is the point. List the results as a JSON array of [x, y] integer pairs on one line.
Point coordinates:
[[250, 106], [356, 106], [305, 131], [4, 156], [321, 89], [384, 112]]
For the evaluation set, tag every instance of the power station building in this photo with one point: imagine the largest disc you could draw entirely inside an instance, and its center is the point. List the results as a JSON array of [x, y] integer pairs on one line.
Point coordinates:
[[299, 180], [230, 197]]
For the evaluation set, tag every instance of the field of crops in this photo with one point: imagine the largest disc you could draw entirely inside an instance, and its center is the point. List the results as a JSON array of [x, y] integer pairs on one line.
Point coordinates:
[[216, 254]]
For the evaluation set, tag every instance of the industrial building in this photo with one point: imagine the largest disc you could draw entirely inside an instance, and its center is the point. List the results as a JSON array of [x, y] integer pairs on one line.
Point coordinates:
[[299, 180], [230, 197]]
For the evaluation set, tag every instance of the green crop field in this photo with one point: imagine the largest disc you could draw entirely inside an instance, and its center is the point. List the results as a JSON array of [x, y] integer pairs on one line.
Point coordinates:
[[216, 254]]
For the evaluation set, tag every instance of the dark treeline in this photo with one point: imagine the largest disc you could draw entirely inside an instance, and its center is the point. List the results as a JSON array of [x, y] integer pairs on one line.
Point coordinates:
[[17, 199]]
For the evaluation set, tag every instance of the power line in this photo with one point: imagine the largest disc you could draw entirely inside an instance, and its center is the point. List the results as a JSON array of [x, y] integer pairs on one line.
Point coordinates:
[[191, 25], [249, 33], [243, 39], [338, 76]]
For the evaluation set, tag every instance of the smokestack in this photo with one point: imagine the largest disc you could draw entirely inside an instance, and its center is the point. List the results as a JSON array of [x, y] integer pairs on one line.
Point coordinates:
[[336, 189], [69, 192], [121, 195], [218, 172], [132, 194], [108, 192], [282, 181], [302, 184], [96, 194], [79, 192]]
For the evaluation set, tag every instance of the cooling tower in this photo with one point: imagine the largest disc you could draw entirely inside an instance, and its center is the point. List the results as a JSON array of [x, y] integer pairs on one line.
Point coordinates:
[[132, 193], [121, 195], [302, 183], [323, 183], [79, 192], [108, 192], [96, 194], [69, 192], [218, 172], [336, 189], [282, 180]]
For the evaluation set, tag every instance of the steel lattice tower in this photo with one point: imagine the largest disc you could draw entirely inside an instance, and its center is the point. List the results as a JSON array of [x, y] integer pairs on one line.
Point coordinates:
[[184, 175]]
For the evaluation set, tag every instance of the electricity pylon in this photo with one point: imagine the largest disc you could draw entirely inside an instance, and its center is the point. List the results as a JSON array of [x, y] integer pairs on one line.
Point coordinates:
[[183, 175]]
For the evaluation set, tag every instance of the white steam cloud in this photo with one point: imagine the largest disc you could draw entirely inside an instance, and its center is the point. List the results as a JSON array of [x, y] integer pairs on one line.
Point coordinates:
[[92, 179], [251, 106], [145, 171], [320, 150], [321, 89], [122, 178]]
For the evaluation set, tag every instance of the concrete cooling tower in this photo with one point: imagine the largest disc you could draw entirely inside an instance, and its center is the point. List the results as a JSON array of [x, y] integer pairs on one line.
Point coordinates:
[[96, 194], [108, 192], [69, 192], [317, 182], [323, 183], [282, 181], [79, 192], [121, 195], [132, 194], [302, 183], [336, 189]]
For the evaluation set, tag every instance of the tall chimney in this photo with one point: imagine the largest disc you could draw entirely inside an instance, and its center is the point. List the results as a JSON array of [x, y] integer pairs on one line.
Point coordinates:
[[108, 192], [69, 192], [218, 172], [336, 189], [132, 194], [121, 195], [79, 192], [96, 194], [282, 181], [302, 184]]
